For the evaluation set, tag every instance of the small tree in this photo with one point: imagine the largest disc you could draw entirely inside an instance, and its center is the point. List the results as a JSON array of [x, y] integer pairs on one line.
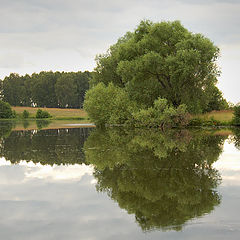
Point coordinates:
[[25, 114], [6, 111], [42, 114]]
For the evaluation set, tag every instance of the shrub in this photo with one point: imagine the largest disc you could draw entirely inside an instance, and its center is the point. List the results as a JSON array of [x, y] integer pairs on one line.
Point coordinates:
[[25, 114], [6, 111], [108, 105], [42, 114], [161, 115]]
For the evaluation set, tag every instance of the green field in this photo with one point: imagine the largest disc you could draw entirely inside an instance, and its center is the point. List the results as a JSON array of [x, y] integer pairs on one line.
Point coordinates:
[[67, 118], [56, 113], [223, 115]]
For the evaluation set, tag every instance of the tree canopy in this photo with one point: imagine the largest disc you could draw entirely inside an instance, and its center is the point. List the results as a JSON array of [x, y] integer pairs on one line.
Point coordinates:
[[162, 60]]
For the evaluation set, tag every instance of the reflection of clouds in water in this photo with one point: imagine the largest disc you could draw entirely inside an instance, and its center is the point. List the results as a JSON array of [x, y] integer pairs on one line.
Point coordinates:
[[51, 173], [4, 162], [229, 165]]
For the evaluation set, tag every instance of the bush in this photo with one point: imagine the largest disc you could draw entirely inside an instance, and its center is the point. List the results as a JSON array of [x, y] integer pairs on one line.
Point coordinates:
[[236, 115], [25, 114], [108, 105], [42, 114], [6, 110], [111, 105], [161, 115]]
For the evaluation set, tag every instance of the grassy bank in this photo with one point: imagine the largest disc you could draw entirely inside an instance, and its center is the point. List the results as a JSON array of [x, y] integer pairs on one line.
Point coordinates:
[[56, 113], [223, 115], [214, 118]]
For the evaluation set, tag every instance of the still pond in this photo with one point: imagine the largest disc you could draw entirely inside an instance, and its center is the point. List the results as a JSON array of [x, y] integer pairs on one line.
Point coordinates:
[[85, 183]]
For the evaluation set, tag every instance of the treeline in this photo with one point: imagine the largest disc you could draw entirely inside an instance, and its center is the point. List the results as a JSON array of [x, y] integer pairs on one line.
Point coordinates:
[[46, 89]]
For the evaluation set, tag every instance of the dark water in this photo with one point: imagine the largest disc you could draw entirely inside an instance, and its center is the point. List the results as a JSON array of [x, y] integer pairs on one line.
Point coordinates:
[[85, 183]]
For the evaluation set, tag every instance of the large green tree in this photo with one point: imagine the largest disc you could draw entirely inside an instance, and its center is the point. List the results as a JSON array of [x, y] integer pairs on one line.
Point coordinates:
[[161, 60]]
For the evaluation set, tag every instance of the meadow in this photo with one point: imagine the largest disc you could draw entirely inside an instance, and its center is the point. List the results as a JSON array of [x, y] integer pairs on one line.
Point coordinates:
[[56, 113], [222, 116]]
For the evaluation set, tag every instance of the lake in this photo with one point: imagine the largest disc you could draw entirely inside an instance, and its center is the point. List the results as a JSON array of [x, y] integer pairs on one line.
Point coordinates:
[[86, 183]]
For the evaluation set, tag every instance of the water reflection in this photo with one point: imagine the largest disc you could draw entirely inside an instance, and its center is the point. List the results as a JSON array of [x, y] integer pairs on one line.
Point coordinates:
[[164, 179], [6, 128], [56, 146]]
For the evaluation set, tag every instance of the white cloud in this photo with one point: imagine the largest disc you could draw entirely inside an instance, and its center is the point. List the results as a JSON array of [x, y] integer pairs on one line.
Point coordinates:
[[53, 173]]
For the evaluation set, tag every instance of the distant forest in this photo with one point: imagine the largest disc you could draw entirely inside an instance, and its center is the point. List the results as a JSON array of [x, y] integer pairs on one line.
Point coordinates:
[[46, 89]]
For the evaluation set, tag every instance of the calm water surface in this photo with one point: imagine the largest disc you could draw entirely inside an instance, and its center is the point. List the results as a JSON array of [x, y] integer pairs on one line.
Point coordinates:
[[85, 183]]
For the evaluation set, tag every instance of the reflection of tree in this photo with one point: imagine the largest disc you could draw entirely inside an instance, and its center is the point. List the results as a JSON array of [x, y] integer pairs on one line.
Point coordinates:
[[6, 128], [42, 123], [58, 146], [236, 137], [164, 179], [26, 124]]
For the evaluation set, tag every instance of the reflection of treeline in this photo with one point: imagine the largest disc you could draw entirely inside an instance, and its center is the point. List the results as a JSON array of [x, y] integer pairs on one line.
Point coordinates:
[[236, 137], [164, 179], [46, 89], [6, 128], [58, 146]]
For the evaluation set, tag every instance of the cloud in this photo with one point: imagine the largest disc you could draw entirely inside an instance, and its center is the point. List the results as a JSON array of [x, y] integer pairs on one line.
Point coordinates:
[[64, 35]]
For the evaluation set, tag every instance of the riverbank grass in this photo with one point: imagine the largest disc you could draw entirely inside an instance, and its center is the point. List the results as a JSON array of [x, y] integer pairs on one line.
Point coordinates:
[[214, 118], [56, 113]]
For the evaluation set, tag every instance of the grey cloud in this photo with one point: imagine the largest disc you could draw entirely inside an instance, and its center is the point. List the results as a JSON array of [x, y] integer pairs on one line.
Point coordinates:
[[40, 31]]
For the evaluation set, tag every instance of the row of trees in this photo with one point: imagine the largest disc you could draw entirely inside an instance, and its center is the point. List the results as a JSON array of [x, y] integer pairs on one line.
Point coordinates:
[[46, 89]]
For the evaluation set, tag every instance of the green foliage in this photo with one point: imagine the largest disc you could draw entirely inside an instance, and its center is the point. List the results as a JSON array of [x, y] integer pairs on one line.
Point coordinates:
[[43, 89], [236, 115], [108, 105], [46, 89], [216, 100], [6, 110], [15, 90], [42, 114], [25, 114], [161, 60], [66, 91], [161, 115], [111, 105]]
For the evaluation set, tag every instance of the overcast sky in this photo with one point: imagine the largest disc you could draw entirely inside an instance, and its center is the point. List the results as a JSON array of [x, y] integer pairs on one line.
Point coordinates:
[[66, 35]]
